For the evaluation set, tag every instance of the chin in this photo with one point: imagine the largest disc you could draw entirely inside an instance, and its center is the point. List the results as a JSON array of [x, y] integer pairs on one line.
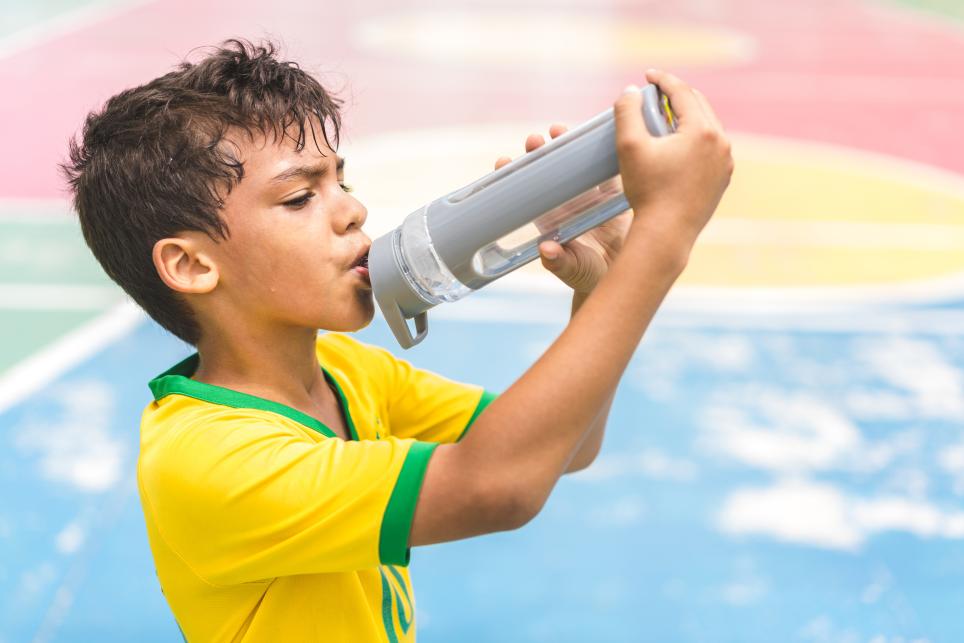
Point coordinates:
[[354, 319]]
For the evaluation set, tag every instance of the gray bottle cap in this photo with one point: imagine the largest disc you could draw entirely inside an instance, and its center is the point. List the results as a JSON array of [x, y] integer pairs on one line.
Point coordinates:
[[395, 297]]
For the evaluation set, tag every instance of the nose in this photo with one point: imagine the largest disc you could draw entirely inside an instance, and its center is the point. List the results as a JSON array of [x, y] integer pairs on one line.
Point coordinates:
[[354, 214]]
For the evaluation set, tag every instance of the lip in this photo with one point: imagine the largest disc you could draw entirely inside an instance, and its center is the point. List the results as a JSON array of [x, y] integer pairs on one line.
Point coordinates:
[[361, 260], [362, 271]]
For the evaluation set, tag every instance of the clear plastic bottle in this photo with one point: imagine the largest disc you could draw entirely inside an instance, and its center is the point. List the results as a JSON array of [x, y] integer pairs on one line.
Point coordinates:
[[421, 265], [563, 223], [459, 243]]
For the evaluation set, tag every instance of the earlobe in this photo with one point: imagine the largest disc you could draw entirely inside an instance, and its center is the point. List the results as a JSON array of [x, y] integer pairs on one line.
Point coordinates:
[[184, 267]]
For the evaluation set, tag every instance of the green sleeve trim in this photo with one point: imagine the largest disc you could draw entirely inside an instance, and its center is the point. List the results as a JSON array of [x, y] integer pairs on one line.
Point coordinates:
[[397, 522], [487, 397]]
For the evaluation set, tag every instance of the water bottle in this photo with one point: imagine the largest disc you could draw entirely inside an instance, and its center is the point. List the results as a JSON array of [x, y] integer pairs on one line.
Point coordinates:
[[470, 237]]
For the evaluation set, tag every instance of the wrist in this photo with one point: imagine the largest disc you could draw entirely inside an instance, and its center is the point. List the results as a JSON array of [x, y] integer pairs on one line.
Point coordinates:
[[579, 297], [667, 244]]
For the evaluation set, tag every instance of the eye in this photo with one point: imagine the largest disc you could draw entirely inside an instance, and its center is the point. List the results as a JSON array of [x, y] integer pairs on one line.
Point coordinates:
[[300, 202], [345, 186]]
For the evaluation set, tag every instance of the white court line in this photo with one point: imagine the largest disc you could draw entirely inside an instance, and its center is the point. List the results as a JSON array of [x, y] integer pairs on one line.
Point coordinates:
[[782, 233], [57, 297], [508, 305], [759, 300], [65, 23], [36, 371], [28, 209]]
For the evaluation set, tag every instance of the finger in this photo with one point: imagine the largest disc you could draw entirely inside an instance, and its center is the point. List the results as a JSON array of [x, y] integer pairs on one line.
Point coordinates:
[[558, 259], [557, 129], [534, 141], [708, 109], [685, 104], [628, 114], [568, 262], [551, 250], [502, 160]]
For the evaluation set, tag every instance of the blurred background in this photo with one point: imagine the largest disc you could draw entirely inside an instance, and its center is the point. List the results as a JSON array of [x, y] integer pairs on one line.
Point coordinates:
[[785, 457]]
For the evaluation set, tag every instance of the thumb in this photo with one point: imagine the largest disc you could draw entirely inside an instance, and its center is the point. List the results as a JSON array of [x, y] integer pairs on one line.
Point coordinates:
[[628, 116], [559, 260], [632, 140]]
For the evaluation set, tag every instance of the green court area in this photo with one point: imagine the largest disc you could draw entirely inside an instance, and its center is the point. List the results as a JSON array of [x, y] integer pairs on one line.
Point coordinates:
[[17, 17], [953, 8], [49, 282]]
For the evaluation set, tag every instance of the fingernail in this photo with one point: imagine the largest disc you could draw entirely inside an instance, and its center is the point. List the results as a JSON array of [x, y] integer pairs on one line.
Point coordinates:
[[551, 255], [630, 88]]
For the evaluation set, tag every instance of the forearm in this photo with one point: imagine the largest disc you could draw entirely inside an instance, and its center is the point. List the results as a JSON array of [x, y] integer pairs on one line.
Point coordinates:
[[526, 438], [588, 449], [501, 474]]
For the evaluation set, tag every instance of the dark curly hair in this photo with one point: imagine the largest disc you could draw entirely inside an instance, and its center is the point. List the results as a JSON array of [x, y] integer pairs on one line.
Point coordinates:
[[154, 161]]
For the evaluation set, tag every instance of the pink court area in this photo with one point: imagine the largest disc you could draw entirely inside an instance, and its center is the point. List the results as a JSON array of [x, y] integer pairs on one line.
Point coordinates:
[[849, 72]]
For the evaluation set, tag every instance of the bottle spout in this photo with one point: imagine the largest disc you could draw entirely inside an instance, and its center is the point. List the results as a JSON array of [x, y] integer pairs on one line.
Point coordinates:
[[395, 297]]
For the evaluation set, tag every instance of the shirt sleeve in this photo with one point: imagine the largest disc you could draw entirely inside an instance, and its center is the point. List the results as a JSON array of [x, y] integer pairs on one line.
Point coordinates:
[[243, 500], [424, 405]]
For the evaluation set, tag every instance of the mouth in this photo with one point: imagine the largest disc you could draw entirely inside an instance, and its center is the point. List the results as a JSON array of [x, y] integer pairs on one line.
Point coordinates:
[[361, 261], [360, 266]]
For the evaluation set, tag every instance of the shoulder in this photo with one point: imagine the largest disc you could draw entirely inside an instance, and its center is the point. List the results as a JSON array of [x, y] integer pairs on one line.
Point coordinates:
[[183, 439]]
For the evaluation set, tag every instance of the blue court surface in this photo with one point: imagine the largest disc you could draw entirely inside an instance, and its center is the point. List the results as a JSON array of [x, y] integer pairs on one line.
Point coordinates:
[[785, 456]]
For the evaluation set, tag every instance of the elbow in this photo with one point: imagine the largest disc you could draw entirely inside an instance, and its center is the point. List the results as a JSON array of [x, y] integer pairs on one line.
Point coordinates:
[[521, 509], [583, 460], [579, 465], [511, 506]]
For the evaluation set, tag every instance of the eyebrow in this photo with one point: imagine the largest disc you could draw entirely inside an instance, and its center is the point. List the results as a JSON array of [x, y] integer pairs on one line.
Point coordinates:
[[308, 171]]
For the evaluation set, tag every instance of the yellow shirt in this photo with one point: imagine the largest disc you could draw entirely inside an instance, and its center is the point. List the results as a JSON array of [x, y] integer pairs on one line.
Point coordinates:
[[265, 526]]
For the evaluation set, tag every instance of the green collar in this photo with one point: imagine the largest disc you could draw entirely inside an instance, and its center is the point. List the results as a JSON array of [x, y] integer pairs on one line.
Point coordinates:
[[177, 381]]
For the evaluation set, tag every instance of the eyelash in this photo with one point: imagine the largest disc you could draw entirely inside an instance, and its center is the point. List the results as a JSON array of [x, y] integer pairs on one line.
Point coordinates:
[[303, 200]]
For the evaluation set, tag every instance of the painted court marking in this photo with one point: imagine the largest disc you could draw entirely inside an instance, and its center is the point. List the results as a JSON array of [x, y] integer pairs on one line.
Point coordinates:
[[725, 289], [536, 38], [801, 221], [52, 361], [61, 24]]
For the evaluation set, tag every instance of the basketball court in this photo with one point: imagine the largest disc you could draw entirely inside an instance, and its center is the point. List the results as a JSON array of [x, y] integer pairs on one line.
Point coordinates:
[[785, 456]]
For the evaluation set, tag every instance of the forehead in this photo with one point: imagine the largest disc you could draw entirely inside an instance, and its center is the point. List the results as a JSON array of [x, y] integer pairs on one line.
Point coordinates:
[[266, 155]]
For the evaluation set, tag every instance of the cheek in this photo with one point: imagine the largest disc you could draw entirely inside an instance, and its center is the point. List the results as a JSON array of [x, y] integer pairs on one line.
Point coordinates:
[[294, 267], [286, 246]]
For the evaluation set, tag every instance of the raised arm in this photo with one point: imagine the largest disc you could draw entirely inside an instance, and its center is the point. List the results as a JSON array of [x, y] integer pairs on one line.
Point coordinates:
[[501, 474]]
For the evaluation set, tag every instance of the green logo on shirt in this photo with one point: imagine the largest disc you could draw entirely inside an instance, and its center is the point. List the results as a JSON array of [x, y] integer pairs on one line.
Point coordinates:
[[394, 590]]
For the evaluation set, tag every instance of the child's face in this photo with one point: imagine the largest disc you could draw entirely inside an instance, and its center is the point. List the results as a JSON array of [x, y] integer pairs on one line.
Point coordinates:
[[295, 239]]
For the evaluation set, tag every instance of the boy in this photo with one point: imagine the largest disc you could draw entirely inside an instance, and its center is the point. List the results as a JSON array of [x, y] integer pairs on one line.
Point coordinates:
[[284, 475]]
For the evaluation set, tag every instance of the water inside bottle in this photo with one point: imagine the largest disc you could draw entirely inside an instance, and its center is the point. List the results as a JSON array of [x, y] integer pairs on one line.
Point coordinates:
[[563, 223], [421, 265]]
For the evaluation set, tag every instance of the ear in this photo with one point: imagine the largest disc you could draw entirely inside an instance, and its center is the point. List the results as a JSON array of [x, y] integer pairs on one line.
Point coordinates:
[[184, 266]]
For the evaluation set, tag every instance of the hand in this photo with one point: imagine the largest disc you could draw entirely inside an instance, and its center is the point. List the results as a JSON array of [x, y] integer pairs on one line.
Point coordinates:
[[582, 262], [673, 183]]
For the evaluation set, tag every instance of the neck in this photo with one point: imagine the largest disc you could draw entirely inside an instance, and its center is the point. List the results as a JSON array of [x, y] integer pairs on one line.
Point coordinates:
[[279, 363]]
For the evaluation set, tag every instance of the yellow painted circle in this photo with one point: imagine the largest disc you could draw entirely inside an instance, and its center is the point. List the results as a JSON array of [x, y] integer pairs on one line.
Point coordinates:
[[797, 216], [553, 39]]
